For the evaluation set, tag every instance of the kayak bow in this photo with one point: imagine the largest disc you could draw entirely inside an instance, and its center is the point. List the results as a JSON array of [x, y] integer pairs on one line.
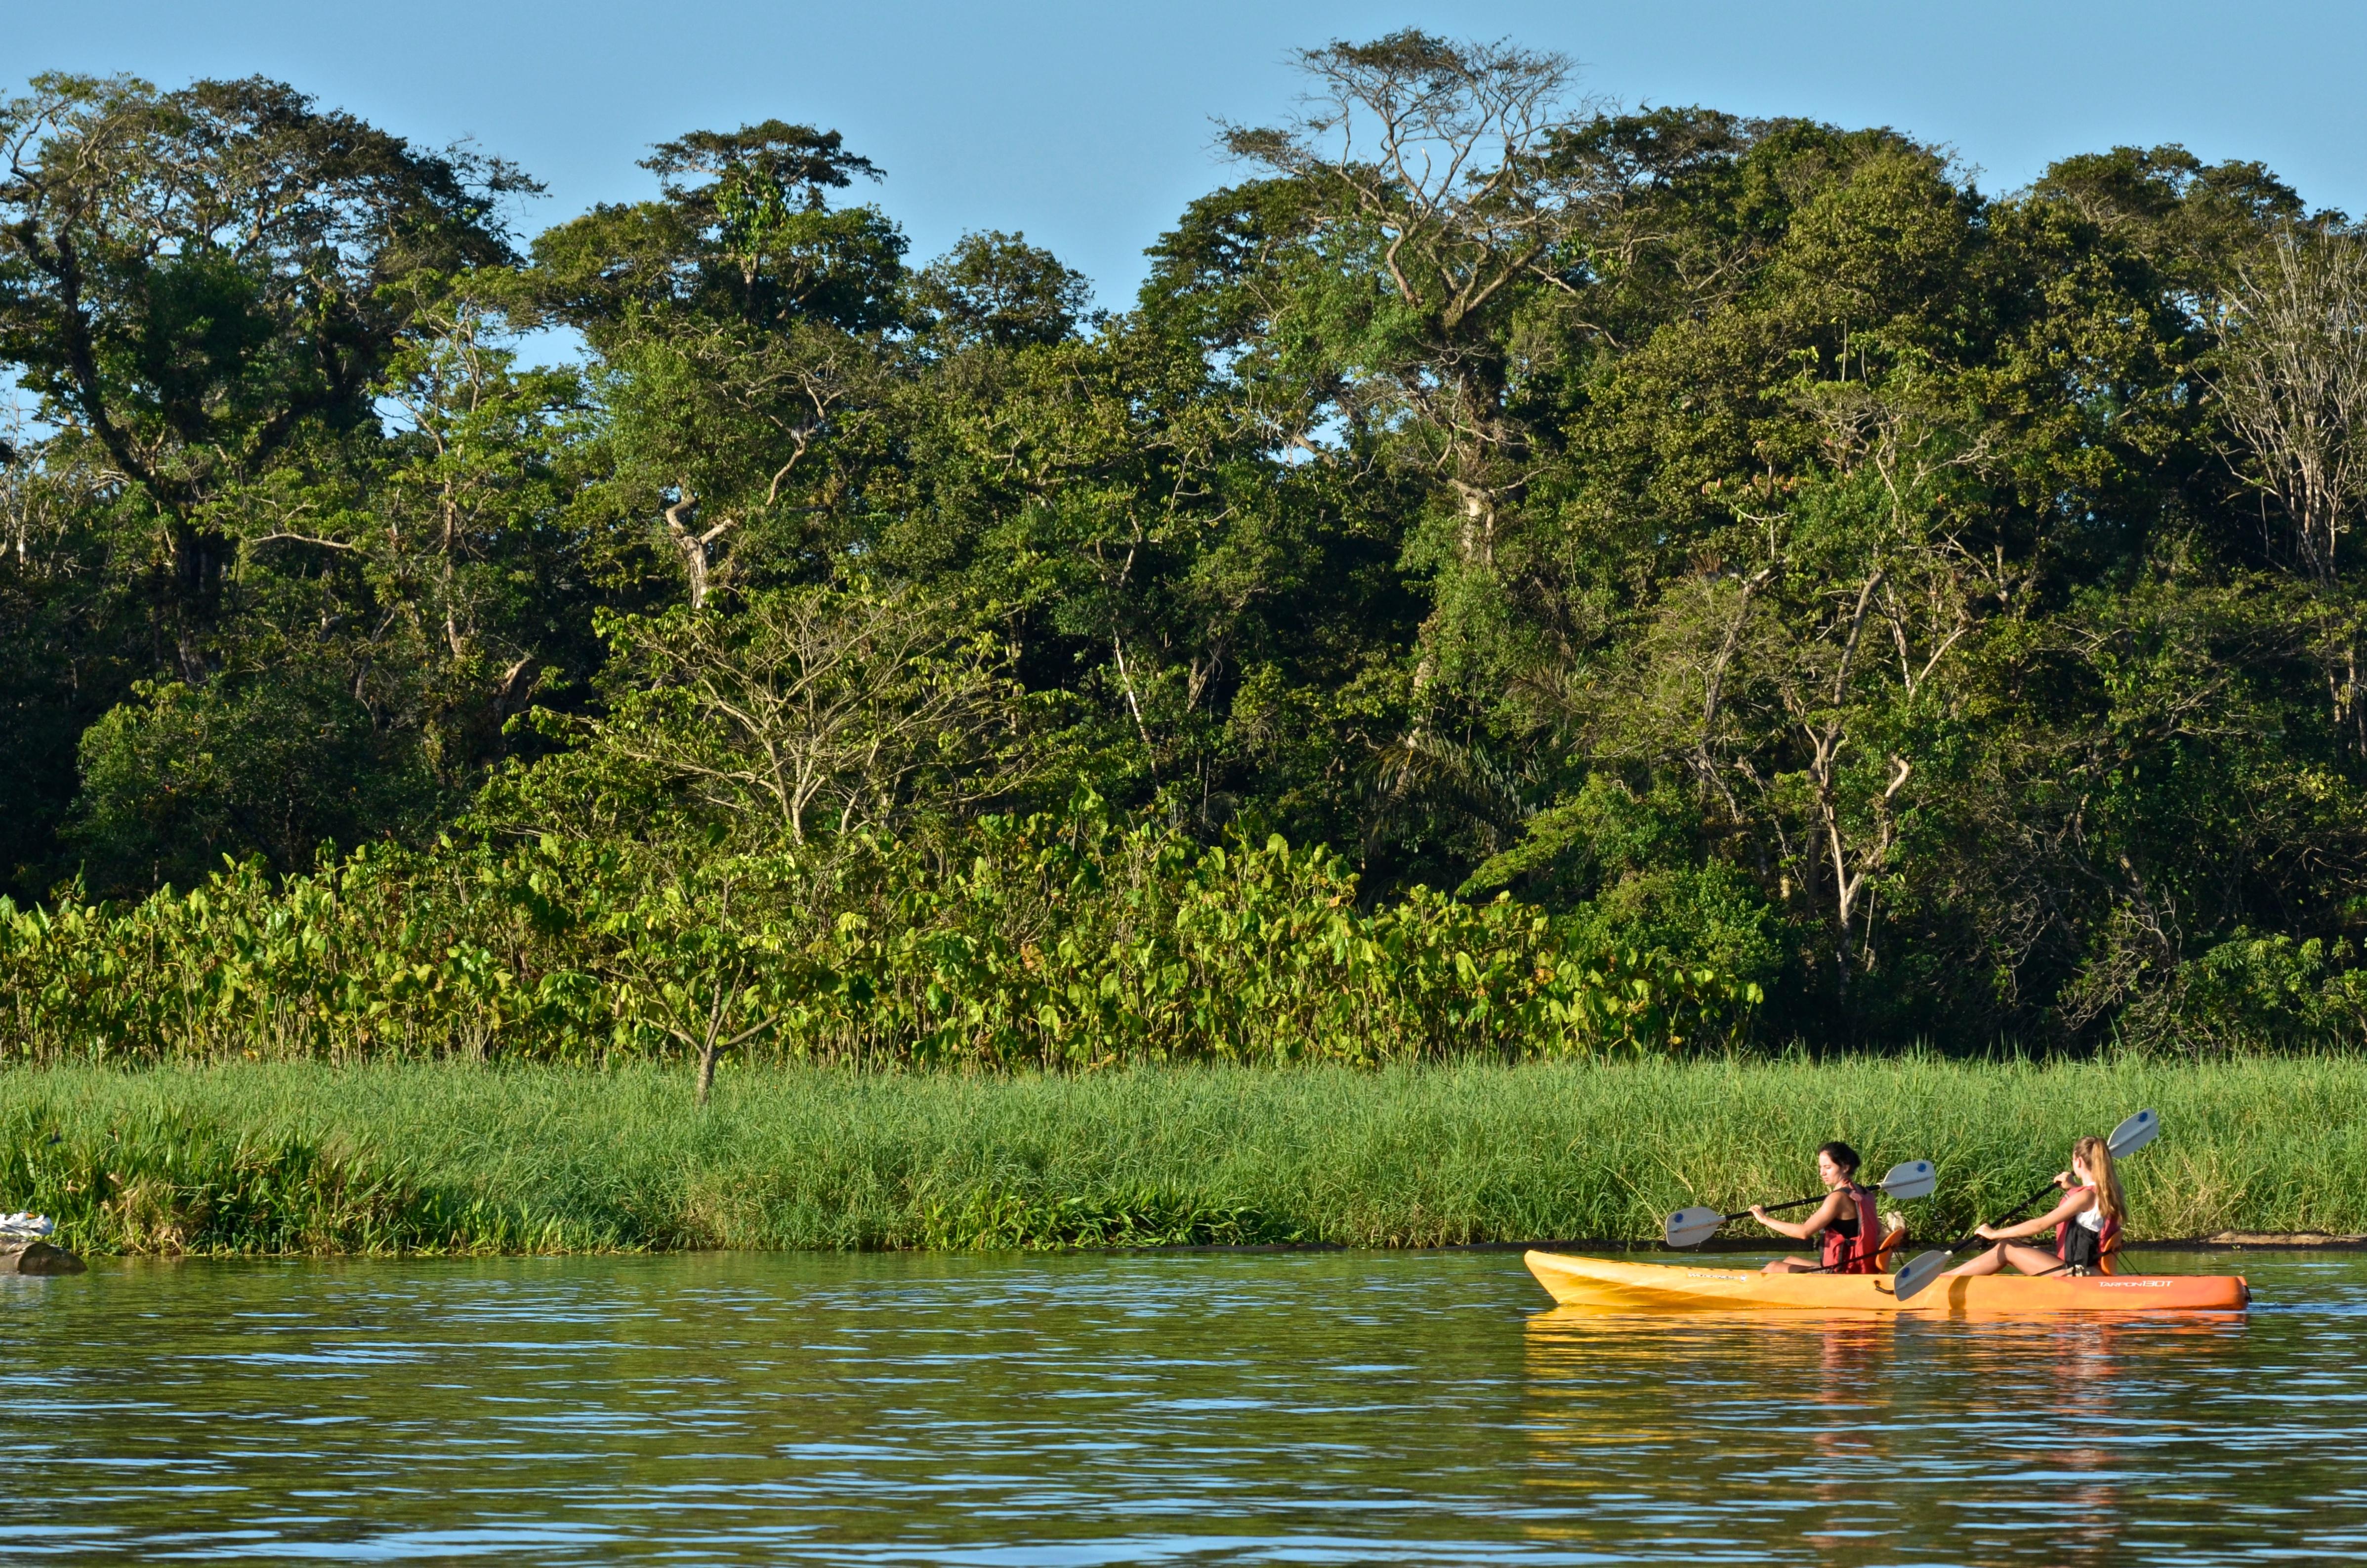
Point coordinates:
[[1603, 1284]]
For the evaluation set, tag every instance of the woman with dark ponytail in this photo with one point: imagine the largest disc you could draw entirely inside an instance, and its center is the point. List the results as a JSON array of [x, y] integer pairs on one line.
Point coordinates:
[[2087, 1222], [1846, 1226]]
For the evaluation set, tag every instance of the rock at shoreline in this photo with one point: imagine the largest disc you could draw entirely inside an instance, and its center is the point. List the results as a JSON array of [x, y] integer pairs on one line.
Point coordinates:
[[38, 1257]]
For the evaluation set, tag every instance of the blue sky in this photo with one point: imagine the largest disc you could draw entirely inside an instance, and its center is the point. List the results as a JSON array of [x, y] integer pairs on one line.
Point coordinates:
[[1088, 126]]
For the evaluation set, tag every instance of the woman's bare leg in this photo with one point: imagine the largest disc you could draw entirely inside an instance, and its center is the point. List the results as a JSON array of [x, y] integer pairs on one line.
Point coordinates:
[[2031, 1260], [2007, 1254], [1791, 1266], [1989, 1262]]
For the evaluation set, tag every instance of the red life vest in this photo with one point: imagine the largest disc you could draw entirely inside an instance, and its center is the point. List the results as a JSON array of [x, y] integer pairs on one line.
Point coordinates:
[[1853, 1250], [2083, 1248]]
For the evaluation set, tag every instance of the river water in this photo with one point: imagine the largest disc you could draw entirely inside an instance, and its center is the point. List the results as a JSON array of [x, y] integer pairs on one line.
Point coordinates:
[[1187, 1408]]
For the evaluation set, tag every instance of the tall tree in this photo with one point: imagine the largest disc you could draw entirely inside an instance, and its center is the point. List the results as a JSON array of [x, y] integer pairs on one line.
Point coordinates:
[[740, 321], [1432, 170], [193, 282]]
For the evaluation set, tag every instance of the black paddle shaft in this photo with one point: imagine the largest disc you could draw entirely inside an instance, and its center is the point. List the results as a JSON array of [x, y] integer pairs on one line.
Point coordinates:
[[1779, 1207], [2009, 1217]]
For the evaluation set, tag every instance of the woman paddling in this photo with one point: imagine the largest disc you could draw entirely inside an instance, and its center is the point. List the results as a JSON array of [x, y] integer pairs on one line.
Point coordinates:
[[1850, 1228], [2087, 1224]]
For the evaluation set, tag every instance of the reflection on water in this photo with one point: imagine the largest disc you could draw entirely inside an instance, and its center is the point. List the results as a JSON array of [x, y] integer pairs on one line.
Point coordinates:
[[1207, 1409], [1883, 1440]]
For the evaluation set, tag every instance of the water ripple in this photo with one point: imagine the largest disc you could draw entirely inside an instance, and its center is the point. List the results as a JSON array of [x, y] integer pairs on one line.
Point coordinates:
[[1271, 1408]]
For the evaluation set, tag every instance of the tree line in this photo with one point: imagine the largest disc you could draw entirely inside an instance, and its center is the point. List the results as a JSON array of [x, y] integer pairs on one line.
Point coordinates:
[[1746, 555]]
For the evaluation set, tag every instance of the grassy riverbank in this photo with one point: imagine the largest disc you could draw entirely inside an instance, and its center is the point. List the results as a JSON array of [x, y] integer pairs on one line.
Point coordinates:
[[310, 1159]]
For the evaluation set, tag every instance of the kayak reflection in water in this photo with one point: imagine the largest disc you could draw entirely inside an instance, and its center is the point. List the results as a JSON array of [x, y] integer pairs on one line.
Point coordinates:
[[1846, 1221], [2087, 1224]]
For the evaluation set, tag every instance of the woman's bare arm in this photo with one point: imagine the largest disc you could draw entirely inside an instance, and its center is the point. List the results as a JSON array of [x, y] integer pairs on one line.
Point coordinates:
[[2076, 1201], [1808, 1229]]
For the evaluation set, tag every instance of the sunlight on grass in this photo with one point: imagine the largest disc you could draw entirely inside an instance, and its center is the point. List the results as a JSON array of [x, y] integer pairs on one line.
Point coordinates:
[[280, 1159]]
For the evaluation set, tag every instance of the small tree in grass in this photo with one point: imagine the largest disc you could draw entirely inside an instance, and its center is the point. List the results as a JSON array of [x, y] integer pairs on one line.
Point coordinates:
[[700, 958]]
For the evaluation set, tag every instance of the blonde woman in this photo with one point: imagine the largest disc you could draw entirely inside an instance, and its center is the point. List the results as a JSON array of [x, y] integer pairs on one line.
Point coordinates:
[[2087, 1222]]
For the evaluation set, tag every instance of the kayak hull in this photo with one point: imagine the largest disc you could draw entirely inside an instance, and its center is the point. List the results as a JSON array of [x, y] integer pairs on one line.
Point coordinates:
[[1604, 1284]]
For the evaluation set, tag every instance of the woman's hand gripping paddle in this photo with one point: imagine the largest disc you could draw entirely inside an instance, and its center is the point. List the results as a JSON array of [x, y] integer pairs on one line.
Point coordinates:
[[1691, 1227], [1919, 1271]]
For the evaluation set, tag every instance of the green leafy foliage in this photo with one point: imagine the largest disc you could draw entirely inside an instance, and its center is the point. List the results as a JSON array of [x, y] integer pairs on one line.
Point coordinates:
[[1055, 942], [178, 779], [1810, 587]]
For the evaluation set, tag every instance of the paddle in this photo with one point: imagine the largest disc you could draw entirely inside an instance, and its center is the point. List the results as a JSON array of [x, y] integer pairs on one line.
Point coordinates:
[[1691, 1227], [1918, 1272]]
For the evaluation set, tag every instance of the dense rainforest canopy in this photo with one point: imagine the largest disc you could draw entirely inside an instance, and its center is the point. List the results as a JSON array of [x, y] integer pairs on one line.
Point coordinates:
[[1746, 541]]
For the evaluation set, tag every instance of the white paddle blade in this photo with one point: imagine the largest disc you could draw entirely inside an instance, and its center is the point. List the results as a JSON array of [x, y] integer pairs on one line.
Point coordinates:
[[1914, 1179], [2134, 1134], [1691, 1227], [1917, 1272]]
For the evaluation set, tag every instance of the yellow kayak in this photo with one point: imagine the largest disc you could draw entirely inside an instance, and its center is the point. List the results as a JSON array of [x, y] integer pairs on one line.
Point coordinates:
[[1604, 1284]]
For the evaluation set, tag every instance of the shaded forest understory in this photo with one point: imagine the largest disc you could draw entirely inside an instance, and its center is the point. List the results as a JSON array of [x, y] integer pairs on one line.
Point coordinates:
[[1518, 579], [308, 1158]]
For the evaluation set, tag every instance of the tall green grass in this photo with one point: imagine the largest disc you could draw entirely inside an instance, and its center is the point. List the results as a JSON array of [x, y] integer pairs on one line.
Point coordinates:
[[451, 1157]]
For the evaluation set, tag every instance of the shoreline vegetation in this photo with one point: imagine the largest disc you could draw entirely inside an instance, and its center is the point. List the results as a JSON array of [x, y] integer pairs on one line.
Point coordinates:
[[1376, 741], [1653, 583], [310, 1159], [1069, 941]]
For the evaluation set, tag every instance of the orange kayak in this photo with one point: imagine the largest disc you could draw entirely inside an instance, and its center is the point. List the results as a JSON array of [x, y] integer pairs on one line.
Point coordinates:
[[1604, 1284]]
